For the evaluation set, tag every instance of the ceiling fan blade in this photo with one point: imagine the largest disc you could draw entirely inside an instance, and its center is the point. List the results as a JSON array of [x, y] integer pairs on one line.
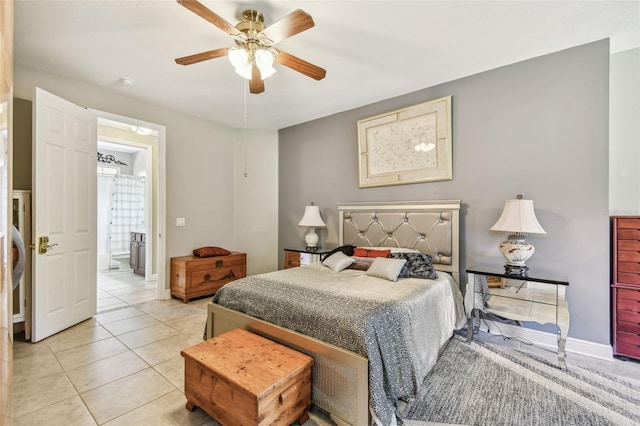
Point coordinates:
[[256, 84], [204, 12], [292, 24], [301, 66], [203, 56]]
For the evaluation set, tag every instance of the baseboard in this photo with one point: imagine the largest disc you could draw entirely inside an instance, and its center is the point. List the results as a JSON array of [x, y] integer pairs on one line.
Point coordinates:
[[167, 294], [550, 340]]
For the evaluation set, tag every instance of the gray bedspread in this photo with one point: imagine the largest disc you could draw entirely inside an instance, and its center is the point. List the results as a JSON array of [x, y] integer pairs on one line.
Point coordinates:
[[399, 326]]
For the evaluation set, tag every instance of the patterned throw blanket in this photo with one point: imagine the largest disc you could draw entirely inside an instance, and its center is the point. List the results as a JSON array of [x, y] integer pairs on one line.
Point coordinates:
[[399, 326]]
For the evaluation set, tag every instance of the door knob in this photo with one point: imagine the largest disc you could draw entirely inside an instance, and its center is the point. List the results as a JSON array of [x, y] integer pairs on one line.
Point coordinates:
[[43, 245]]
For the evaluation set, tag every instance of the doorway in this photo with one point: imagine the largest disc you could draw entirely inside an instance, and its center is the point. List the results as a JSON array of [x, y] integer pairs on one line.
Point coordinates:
[[131, 215], [64, 271]]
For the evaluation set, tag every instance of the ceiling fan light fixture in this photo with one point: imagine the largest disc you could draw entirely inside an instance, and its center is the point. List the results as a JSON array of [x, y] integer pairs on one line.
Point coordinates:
[[266, 72], [264, 58], [244, 71], [254, 54], [238, 57]]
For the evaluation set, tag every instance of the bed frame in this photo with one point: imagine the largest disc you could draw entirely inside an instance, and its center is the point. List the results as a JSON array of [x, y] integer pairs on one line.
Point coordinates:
[[341, 377]]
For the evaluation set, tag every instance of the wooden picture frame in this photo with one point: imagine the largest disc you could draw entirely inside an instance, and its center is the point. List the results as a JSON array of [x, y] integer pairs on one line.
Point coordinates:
[[409, 145]]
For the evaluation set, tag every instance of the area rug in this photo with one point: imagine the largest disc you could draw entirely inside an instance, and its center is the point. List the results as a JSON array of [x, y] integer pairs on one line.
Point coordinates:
[[484, 384]]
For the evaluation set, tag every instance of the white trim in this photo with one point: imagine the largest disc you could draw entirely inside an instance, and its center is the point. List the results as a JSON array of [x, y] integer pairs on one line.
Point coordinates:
[[550, 340], [161, 176]]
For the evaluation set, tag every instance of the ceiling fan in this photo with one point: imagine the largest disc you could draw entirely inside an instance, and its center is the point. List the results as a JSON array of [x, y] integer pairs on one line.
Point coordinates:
[[254, 53]]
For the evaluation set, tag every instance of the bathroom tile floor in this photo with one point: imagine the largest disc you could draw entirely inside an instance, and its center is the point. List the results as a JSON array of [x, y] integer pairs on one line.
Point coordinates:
[[118, 289], [123, 366]]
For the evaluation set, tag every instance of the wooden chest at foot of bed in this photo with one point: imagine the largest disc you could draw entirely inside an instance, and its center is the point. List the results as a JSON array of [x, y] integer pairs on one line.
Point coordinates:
[[193, 276], [240, 378]]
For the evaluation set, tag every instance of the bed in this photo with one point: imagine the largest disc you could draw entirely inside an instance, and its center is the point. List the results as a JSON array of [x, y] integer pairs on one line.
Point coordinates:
[[373, 340]]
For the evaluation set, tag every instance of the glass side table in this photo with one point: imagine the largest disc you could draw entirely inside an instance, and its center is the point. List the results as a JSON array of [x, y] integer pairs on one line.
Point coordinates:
[[539, 297]]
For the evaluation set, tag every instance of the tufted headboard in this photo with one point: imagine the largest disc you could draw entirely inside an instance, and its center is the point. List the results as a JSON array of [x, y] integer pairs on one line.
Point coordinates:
[[432, 227]]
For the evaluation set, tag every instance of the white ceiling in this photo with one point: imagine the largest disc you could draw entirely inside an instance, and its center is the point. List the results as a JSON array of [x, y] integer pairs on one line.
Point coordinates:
[[372, 50]]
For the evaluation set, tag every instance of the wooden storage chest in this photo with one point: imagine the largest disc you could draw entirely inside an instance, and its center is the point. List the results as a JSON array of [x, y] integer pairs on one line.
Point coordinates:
[[240, 378], [626, 286], [192, 276]]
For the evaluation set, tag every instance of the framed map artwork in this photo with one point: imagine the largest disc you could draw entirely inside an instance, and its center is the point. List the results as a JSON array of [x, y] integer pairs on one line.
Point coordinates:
[[409, 145]]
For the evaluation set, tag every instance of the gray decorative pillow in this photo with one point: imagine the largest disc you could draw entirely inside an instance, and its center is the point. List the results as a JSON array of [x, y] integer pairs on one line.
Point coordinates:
[[337, 261], [386, 268], [419, 265]]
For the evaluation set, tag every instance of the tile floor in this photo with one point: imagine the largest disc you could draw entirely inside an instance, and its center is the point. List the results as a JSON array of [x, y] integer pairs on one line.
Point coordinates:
[[123, 366], [118, 289]]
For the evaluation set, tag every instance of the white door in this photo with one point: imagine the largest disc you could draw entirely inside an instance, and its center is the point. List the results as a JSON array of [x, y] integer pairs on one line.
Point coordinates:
[[64, 210]]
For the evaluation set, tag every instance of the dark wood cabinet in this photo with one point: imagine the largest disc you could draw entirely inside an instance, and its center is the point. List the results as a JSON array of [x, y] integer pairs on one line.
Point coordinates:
[[137, 252], [626, 286]]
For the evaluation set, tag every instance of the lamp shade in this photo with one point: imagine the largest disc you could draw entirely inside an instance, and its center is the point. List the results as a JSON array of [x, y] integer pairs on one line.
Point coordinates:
[[312, 217], [518, 218]]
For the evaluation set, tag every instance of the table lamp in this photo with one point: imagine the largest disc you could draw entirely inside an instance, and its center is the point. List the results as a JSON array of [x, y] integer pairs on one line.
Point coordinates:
[[312, 220], [518, 220]]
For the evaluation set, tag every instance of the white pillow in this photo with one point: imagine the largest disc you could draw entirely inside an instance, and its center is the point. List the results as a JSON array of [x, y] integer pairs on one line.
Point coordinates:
[[393, 249], [386, 268], [337, 261]]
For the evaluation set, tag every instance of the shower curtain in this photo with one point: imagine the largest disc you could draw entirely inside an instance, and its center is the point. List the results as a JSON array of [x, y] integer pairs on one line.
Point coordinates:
[[105, 194], [120, 211], [127, 211]]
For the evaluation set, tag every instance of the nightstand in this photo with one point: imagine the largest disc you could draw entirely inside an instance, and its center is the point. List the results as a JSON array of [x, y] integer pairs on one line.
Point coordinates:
[[301, 256], [539, 297]]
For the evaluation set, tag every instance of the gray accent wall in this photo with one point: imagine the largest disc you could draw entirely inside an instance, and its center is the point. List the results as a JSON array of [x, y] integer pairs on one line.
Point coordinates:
[[537, 128]]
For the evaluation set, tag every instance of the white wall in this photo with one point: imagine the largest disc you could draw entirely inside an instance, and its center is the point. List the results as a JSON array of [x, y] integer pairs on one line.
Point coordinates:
[[256, 202], [200, 167], [624, 134], [140, 163]]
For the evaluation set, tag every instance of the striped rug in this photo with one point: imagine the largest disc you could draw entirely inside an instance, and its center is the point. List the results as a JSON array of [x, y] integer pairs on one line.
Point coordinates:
[[484, 384]]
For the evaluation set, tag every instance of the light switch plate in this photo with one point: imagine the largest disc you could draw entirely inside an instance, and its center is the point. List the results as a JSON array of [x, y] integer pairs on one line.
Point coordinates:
[[181, 221]]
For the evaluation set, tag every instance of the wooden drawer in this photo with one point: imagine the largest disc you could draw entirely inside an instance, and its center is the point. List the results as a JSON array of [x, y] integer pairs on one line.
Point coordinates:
[[630, 338], [626, 349], [628, 234], [625, 278], [192, 276], [628, 223], [628, 267], [628, 316], [628, 327], [628, 245], [629, 255], [291, 259], [628, 294], [240, 378], [628, 305]]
